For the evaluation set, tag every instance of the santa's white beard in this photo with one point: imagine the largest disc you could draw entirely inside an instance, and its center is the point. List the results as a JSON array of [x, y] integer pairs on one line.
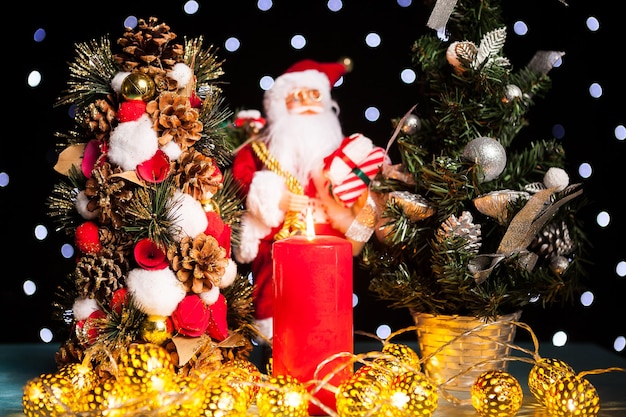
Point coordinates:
[[301, 142]]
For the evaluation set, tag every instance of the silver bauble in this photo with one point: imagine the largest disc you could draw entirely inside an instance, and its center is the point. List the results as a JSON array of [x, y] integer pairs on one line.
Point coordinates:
[[559, 264], [411, 124], [488, 154], [511, 92]]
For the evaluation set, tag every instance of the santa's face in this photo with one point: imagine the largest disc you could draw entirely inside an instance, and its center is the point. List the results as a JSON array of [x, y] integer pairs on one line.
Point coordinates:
[[305, 133], [304, 101]]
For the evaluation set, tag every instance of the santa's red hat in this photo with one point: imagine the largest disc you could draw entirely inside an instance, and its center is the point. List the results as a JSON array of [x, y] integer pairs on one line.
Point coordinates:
[[307, 73], [333, 70]]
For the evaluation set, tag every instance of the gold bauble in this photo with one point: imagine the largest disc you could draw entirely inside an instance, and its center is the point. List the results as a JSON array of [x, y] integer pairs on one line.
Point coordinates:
[[544, 374], [375, 371], [190, 397], [156, 329], [48, 395], [283, 395], [222, 399], [138, 86], [362, 394], [81, 375], [210, 205], [244, 374], [411, 394], [496, 394], [571, 396], [403, 358], [147, 367], [96, 398], [55, 394]]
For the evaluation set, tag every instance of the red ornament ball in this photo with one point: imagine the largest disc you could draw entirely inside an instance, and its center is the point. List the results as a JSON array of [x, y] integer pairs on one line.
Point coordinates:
[[87, 238]]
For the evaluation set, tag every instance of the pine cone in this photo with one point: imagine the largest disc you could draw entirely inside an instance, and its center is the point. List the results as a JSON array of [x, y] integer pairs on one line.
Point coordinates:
[[98, 276], [70, 351], [175, 119], [463, 227], [118, 242], [199, 262], [149, 48], [107, 193], [553, 240], [98, 118], [198, 175]]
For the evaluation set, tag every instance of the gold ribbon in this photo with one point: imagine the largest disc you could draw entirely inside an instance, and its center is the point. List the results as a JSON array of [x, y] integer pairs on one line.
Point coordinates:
[[521, 232], [292, 224]]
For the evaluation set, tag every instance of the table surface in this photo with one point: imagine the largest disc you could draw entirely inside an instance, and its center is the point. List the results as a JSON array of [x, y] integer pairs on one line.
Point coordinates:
[[21, 362]]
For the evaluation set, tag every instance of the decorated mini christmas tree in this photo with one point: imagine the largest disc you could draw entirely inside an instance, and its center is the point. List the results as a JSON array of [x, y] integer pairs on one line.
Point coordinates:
[[475, 220], [155, 302]]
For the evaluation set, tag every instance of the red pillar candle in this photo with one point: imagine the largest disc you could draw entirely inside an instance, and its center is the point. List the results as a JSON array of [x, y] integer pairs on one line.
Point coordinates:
[[312, 310]]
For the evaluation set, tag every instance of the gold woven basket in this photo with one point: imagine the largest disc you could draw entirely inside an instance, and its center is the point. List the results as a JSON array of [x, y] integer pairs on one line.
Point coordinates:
[[457, 349]]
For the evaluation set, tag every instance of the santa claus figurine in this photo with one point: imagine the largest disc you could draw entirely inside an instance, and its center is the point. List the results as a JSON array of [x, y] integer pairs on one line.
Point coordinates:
[[284, 171]]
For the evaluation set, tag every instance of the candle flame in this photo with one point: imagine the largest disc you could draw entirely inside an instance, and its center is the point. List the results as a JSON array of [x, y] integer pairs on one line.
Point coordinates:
[[310, 226]]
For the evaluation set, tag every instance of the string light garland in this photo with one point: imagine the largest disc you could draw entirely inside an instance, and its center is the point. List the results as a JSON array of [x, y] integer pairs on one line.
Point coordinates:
[[386, 382]]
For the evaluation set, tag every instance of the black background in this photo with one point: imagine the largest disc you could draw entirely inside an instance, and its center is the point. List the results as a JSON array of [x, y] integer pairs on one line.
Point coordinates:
[[30, 120]]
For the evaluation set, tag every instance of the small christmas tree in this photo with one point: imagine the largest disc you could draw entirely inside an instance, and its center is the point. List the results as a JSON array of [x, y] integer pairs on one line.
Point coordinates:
[[474, 220], [148, 200]]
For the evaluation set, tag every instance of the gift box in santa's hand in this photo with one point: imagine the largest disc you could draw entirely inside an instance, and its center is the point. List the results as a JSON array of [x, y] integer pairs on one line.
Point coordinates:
[[352, 167]]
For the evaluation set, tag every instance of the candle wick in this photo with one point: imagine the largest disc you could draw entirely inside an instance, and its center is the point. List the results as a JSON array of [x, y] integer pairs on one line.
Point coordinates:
[[310, 226]]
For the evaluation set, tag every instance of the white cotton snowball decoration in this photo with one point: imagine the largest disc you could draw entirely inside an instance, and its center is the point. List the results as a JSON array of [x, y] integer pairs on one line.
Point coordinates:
[[83, 307], [156, 292], [132, 143], [172, 150], [116, 82], [229, 275], [556, 177], [190, 217], [182, 74], [81, 206], [210, 297]]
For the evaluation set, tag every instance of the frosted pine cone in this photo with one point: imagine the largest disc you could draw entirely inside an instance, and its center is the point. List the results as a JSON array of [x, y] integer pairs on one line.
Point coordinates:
[[553, 240], [463, 227], [199, 263]]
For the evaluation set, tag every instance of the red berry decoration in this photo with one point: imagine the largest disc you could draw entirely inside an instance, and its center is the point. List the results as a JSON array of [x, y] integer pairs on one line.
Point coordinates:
[[87, 238]]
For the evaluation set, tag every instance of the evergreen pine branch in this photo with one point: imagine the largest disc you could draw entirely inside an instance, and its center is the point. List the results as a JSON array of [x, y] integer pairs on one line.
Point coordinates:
[[409, 266], [90, 73], [240, 308], [206, 67], [215, 141], [61, 202], [230, 201], [152, 213]]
